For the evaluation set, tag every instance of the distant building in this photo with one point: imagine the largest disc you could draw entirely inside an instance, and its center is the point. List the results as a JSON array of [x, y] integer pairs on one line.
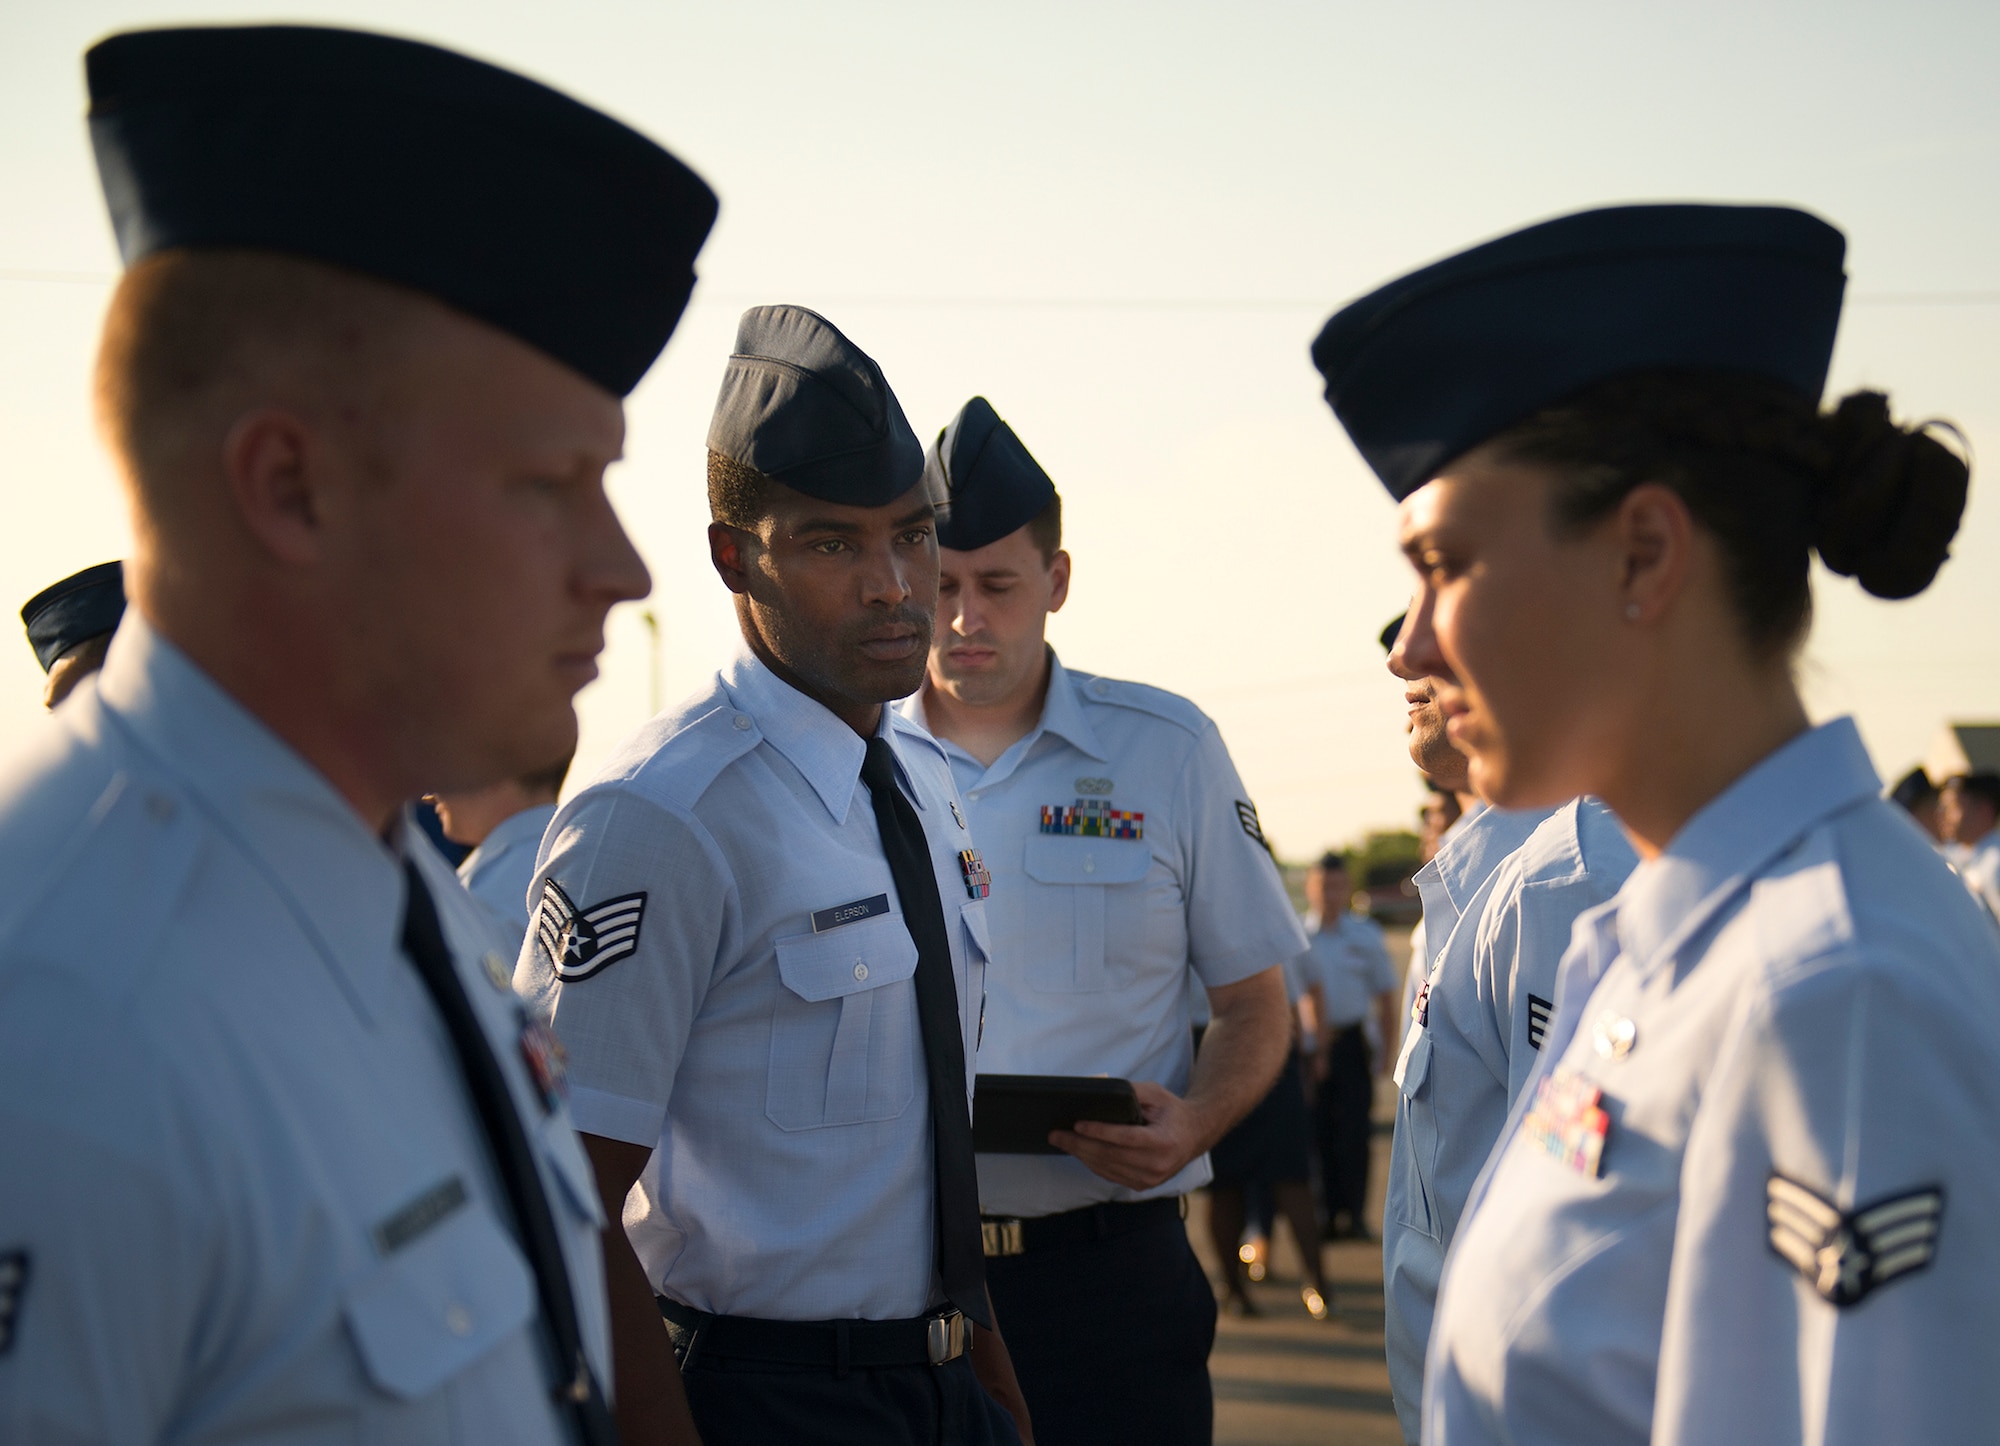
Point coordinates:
[[1964, 748]]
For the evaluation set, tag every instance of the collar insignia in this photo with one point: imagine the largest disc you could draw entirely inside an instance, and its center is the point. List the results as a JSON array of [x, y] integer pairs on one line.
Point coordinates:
[[582, 942], [1844, 1254]]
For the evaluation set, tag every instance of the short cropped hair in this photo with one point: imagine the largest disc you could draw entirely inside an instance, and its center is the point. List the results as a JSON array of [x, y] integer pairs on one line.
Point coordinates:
[[1045, 527], [1331, 860], [738, 495], [187, 323]]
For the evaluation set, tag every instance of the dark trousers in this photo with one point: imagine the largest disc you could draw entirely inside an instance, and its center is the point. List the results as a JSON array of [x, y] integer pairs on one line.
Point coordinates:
[[1110, 1338], [752, 1403], [1346, 1098]]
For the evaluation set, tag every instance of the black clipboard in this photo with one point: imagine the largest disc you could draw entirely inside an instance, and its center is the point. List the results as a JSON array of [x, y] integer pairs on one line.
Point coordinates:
[[1012, 1114]]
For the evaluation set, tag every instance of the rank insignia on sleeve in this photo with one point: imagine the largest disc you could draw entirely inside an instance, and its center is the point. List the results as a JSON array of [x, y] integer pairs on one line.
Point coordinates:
[[13, 1285], [581, 942], [1538, 1020], [978, 882], [1844, 1254], [1568, 1122], [1246, 814]]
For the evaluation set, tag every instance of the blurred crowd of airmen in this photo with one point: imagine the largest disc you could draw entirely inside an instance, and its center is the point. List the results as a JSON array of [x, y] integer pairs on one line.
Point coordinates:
[[654, 1122]]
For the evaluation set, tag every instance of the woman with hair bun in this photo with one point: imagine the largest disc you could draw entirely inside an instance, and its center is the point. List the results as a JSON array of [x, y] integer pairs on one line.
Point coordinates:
[[1750, 1192]]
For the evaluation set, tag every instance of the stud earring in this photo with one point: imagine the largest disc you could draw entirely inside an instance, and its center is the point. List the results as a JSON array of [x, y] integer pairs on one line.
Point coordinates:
[[1632, 612]]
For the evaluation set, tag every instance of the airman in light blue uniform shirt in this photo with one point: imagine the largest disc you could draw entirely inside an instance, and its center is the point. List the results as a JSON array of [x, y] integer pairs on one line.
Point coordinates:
[[1787, 1235], [1104, 932], [501, 872], [232, 1072], [771, 1059], [1486, 1012]]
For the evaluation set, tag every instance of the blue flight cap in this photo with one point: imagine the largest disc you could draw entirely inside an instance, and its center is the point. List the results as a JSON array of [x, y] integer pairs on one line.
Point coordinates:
[[807, 407], [994, 486], [411, 164], [1431, 365], [82, 606]]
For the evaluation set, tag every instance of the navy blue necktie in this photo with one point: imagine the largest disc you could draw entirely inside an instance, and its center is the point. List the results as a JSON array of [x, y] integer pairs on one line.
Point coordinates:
[[960, 1253]]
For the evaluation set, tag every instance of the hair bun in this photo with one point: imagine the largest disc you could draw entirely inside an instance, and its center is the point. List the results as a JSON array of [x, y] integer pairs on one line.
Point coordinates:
[[1892, 500]]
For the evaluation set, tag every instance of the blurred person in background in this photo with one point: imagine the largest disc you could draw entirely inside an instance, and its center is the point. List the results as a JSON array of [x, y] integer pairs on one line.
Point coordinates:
[[1969, 809], [503, 825], [1922, 800], [1741, 1199], [70, 624], [1349, 980]]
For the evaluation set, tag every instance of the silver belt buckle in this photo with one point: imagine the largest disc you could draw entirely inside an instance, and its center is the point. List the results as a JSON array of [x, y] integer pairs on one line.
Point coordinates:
[[946, 1337], [1001, 1237]]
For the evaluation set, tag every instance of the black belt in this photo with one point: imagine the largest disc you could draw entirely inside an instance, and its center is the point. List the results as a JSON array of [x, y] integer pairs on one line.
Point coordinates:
[[1005, 1235], [835, 1345]]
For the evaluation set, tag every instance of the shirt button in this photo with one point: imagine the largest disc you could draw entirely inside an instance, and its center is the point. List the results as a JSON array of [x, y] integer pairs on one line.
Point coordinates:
[[975, 796], [860, 970], [1100, 687], [742, 721], [458, 1320]]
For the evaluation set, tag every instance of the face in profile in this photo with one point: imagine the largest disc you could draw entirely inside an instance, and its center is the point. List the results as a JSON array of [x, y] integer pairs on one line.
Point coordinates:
[[842, 598], [1518, 629], [488, 554], [993, 607]]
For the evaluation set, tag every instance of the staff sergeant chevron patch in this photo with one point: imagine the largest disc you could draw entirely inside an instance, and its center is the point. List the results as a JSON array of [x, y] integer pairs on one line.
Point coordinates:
[[583, 942], [1845, 1254]]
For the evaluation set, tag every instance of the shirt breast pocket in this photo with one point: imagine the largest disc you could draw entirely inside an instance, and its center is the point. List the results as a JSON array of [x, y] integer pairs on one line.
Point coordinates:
[[844, 1028], [1417, 1136], [1065, 932], [438, 1304]]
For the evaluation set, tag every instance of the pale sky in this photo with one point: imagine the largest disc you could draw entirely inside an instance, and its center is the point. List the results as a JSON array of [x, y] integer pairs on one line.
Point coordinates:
[[1123, 224]]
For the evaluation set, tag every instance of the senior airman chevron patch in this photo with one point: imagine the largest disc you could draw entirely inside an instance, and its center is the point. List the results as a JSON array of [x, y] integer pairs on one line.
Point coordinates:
[[582, 942], [1845, 1254]]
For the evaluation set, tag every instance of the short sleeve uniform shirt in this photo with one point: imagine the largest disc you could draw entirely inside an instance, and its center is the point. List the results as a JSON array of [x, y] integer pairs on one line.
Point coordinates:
[[1748, 1193], [719, 944], [245, 1194], [1349, 962], [1125, 855], [1461, 1068]]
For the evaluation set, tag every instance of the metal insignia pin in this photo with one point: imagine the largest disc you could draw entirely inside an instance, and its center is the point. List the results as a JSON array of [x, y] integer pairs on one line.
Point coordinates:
[[957, 817], [1615, 1035], [499, 973]]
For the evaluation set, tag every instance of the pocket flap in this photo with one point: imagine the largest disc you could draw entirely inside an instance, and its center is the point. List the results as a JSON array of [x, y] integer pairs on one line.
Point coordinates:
[[848, 959], [1415, 1065], [976, 929], [1059, 859], [434, 1307]]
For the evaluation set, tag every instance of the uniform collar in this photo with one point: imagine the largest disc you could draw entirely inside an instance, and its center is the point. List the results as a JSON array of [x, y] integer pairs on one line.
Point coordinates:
[[526, 827], [1718, 852], [826, 752], [1062, 715], [344, 885], [1472, 849]]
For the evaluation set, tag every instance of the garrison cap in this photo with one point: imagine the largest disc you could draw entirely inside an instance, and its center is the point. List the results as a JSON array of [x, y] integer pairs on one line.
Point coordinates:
[[410, 164], [1913, 788], [1392, 632], [994, 486], [805, 406], [82, 606], [1429, 366]]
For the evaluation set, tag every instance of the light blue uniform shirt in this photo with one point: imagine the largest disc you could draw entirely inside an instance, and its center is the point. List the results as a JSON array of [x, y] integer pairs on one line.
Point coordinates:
[[1349, 962], [731, 1013], [1491, 990], [500, 872], [1096, 936], [1793, 1026], [251, 1192], [1980, 868]]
